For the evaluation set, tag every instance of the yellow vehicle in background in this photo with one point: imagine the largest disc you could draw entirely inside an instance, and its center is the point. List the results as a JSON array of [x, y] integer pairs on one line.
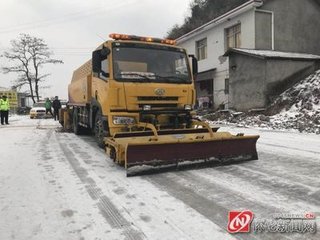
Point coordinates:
[[136, 95]]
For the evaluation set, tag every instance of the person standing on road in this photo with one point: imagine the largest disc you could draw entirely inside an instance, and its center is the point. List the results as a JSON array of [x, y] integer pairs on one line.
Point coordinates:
[[56, 104], [48, 106], [4, 110]]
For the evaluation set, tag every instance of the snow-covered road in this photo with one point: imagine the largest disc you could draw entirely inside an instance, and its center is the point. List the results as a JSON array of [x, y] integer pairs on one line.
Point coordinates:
[[56, 185]]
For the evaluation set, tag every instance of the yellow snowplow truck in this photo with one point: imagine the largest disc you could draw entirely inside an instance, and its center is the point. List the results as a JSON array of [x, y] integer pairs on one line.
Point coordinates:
[[136, 95]]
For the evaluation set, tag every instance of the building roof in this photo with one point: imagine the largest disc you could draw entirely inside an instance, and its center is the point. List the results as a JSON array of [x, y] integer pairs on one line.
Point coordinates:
[[272, 54], [4, 89], [251, 4], [205, 75]]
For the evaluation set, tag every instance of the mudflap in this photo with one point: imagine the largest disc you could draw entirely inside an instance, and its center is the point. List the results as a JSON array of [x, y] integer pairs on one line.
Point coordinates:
[[158, 156]]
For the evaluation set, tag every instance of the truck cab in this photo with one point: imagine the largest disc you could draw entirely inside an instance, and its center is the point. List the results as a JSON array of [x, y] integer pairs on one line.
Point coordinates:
[[133, 79]]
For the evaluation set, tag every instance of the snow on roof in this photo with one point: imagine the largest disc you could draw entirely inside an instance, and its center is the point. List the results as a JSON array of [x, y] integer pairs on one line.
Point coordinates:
[[272, 54]]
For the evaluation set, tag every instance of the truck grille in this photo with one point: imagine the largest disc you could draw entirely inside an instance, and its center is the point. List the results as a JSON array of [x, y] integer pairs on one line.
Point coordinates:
[[158, 102], [157, 98], [160, 105]]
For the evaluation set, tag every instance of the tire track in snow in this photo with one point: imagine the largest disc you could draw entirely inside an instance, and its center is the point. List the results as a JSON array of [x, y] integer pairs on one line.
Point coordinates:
[[208, 208], [293, 169], [108, 210], [194, 190], [291, 151], [281, 186], [50, 169], [205, 182], [231, 199], [288, 148], [264, 189], [202, 204], [168, 223]]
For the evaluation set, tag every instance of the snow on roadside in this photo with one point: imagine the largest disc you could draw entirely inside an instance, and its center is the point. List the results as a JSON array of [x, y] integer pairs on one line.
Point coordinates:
[[301, 106], [298, 108], [40, 198], [25, 121]]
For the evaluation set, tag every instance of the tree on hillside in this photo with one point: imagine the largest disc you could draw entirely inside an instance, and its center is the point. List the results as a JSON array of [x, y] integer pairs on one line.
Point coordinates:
[[203, 11], [27, 57]]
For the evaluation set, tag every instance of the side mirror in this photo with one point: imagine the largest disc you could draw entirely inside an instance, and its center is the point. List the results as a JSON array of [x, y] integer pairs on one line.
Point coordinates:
[[96, 62], [194, 62], [97, 57], [104, 52]]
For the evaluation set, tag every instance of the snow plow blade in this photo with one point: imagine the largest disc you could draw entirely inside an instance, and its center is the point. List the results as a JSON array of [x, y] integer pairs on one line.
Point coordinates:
[[144, 154], [193, 152]]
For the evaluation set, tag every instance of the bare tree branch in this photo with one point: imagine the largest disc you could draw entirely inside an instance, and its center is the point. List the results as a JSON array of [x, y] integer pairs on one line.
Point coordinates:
[[27, 55]]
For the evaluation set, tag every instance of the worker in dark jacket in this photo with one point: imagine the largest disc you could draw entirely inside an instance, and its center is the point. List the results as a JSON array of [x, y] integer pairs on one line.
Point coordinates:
[[56, 104], [4, 110]]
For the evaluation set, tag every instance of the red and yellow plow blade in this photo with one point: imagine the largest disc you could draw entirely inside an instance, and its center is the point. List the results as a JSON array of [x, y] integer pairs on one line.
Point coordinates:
[[150, 153]]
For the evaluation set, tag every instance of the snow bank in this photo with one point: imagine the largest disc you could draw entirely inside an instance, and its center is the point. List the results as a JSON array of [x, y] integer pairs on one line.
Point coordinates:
[[297, 108]]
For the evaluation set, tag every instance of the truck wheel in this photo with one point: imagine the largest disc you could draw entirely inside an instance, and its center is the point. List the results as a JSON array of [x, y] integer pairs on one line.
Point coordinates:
[[77, 129], [98, 130]]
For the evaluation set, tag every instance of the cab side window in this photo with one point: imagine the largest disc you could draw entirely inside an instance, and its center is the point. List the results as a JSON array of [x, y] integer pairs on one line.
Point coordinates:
[[100, 63], [104, 74]]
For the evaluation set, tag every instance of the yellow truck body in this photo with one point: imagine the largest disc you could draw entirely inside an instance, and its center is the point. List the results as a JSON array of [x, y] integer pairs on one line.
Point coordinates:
[[126, 98], [137, 95]]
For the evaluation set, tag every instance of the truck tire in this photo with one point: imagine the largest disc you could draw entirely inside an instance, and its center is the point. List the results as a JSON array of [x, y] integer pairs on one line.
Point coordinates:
[[77, 129], [99, 132]]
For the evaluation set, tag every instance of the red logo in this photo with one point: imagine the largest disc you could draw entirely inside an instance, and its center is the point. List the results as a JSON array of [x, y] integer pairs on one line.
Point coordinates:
[[310, 215], [239, 221]]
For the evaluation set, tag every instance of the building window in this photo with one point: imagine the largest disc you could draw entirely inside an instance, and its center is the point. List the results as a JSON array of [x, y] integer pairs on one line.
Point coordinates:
[[206, 85], [233, 36], [226, 86], [201, 46]]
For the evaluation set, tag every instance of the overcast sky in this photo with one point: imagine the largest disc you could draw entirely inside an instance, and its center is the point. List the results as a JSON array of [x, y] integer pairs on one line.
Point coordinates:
[[73, 28]]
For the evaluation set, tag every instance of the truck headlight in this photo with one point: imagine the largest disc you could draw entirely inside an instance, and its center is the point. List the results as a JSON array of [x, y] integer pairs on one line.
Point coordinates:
[[146, 107], [123, 120], [187, 107]]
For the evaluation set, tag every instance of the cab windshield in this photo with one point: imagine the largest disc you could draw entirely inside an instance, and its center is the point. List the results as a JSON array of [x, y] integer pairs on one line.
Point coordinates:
[[145, 63]]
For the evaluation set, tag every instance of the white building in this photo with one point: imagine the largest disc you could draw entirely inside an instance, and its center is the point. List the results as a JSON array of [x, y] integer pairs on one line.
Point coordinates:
[[264, 25]]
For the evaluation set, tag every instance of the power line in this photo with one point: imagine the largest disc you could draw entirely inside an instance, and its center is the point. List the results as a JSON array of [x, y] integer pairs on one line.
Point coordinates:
[[58, 20], [46, 20], [71, 48], [46, 23]]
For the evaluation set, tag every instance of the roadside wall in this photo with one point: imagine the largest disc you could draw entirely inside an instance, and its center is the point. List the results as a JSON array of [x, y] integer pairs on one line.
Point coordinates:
[[254, 81]]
